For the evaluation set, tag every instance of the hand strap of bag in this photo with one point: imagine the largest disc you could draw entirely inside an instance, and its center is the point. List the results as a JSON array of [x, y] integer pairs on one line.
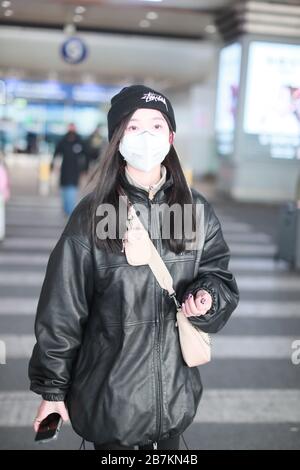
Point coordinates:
[[162, 274], [157, 265], [159, 269]]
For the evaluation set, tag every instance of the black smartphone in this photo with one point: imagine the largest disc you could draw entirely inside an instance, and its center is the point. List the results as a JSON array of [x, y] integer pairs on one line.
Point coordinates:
[[49, 428]]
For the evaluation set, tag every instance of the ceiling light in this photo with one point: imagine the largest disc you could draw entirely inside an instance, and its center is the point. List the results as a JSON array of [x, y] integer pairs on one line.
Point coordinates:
[[8, 13], [210, 28], [151, 15], [69, 29], [77, 18], [6, 4], [144, 24], [79, 10]]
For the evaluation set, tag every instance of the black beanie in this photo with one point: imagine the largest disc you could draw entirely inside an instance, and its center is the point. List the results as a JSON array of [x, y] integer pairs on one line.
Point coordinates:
[[134, 97]]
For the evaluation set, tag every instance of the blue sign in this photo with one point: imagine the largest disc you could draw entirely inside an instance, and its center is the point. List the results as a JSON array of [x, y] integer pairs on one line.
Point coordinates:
[[51, 90], [74, 50]]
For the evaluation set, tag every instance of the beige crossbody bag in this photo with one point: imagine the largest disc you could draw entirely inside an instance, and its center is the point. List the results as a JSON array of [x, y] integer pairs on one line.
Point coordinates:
[[139, 250]]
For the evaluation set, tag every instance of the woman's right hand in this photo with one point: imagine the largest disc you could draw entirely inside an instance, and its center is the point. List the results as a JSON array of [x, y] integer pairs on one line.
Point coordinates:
[[48, 407]]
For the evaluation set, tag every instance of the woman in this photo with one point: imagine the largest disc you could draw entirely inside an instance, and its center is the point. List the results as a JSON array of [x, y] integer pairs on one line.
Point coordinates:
[[107, 348]]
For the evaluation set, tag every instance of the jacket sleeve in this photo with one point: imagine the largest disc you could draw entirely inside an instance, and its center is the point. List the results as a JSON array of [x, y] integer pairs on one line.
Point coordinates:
[[62, 313], [214, 277], [57, 151]]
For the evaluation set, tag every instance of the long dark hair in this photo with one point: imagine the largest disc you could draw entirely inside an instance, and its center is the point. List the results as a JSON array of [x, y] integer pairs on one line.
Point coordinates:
[[104, 181]]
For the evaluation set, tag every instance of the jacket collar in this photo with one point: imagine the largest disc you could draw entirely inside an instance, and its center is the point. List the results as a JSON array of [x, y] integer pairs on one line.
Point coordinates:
[[139, 194], [155, 187]]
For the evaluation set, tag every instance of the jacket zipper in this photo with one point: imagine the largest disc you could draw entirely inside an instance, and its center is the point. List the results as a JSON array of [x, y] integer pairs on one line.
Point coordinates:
[[159, 400]]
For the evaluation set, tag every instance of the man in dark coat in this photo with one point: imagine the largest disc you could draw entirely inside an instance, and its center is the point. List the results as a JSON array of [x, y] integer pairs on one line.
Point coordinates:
[[74, 162]]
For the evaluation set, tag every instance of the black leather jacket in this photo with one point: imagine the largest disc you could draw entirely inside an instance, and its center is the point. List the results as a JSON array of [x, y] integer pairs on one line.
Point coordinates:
[[107, 343]]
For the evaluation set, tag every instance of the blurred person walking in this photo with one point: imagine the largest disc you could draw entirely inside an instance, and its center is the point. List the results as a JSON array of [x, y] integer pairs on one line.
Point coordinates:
[[107, 353], [74, 163], [94, 146]]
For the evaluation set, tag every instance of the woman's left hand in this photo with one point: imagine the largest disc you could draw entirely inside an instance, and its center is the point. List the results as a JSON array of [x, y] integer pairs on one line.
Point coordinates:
[[197, 305]]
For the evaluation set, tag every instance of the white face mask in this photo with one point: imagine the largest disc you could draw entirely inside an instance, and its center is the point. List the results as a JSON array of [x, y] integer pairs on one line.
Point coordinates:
[[144, 151]]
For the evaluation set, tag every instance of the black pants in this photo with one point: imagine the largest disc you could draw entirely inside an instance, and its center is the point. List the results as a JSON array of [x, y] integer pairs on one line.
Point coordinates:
[[167, 444]]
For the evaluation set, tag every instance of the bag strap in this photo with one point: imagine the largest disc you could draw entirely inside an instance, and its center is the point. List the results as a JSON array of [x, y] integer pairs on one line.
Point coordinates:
[[156, 263]]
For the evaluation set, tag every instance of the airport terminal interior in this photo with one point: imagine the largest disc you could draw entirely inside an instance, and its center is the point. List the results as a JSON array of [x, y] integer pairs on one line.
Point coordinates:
[[231, 69]]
